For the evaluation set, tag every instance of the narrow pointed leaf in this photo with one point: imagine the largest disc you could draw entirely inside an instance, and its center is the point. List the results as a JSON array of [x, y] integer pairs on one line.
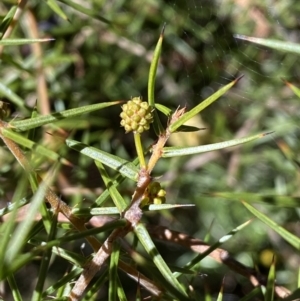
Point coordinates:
[[269, 296], [158, 128], [252, 295], [221, 241], [149, 246], [183, 151], [188, 115], [113, 272], [124, 167], [23, 228], [15, 42], [89, 12], [220, 295], [289, 237], [120, 290], [7, 20], [55, 7], [270, 199], [153, 69], [13, 97], [274, 44], [189, 128], [38, 148], [28, 124], [44, 264], [165, 110], [114, 193], [14, 288], [154, 207], [293, 88], [95, 211]]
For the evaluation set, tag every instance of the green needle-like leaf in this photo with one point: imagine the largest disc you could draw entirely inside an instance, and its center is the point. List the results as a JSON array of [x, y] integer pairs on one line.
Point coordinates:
[[274, 44], [22, 140], [13, 97], [113, 273], [149, 246], [28, 124], [23, 229], [6, 21], [124, 167], [188, 115], [15, 42], [221, 241], [293, 88], [165, 110], [269, 199], [114, 193], [89, 12], [289, 237], [269, 296], [158, 128], [183, 151], [55, 7]]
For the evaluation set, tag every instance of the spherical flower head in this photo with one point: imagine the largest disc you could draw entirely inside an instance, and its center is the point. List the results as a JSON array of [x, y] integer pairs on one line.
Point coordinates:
[[136, 115]]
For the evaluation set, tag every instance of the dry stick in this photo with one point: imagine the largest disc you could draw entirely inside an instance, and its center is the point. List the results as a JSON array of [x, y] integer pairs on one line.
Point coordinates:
[[42, 92], [95, 264], [218, 254]]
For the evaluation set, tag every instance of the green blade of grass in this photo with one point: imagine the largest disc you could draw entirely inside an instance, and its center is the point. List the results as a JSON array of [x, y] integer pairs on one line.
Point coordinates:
[[149, 246], [289, 237], [124, 167], [27, 124], [205, 103], [274, 44], [183, 151]]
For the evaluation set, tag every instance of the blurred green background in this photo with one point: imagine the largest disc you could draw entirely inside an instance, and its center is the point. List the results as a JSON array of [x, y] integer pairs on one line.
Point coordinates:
[[92, 61]]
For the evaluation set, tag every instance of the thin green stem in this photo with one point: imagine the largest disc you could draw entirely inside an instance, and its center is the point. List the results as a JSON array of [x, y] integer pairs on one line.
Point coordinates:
[[139, 149]]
